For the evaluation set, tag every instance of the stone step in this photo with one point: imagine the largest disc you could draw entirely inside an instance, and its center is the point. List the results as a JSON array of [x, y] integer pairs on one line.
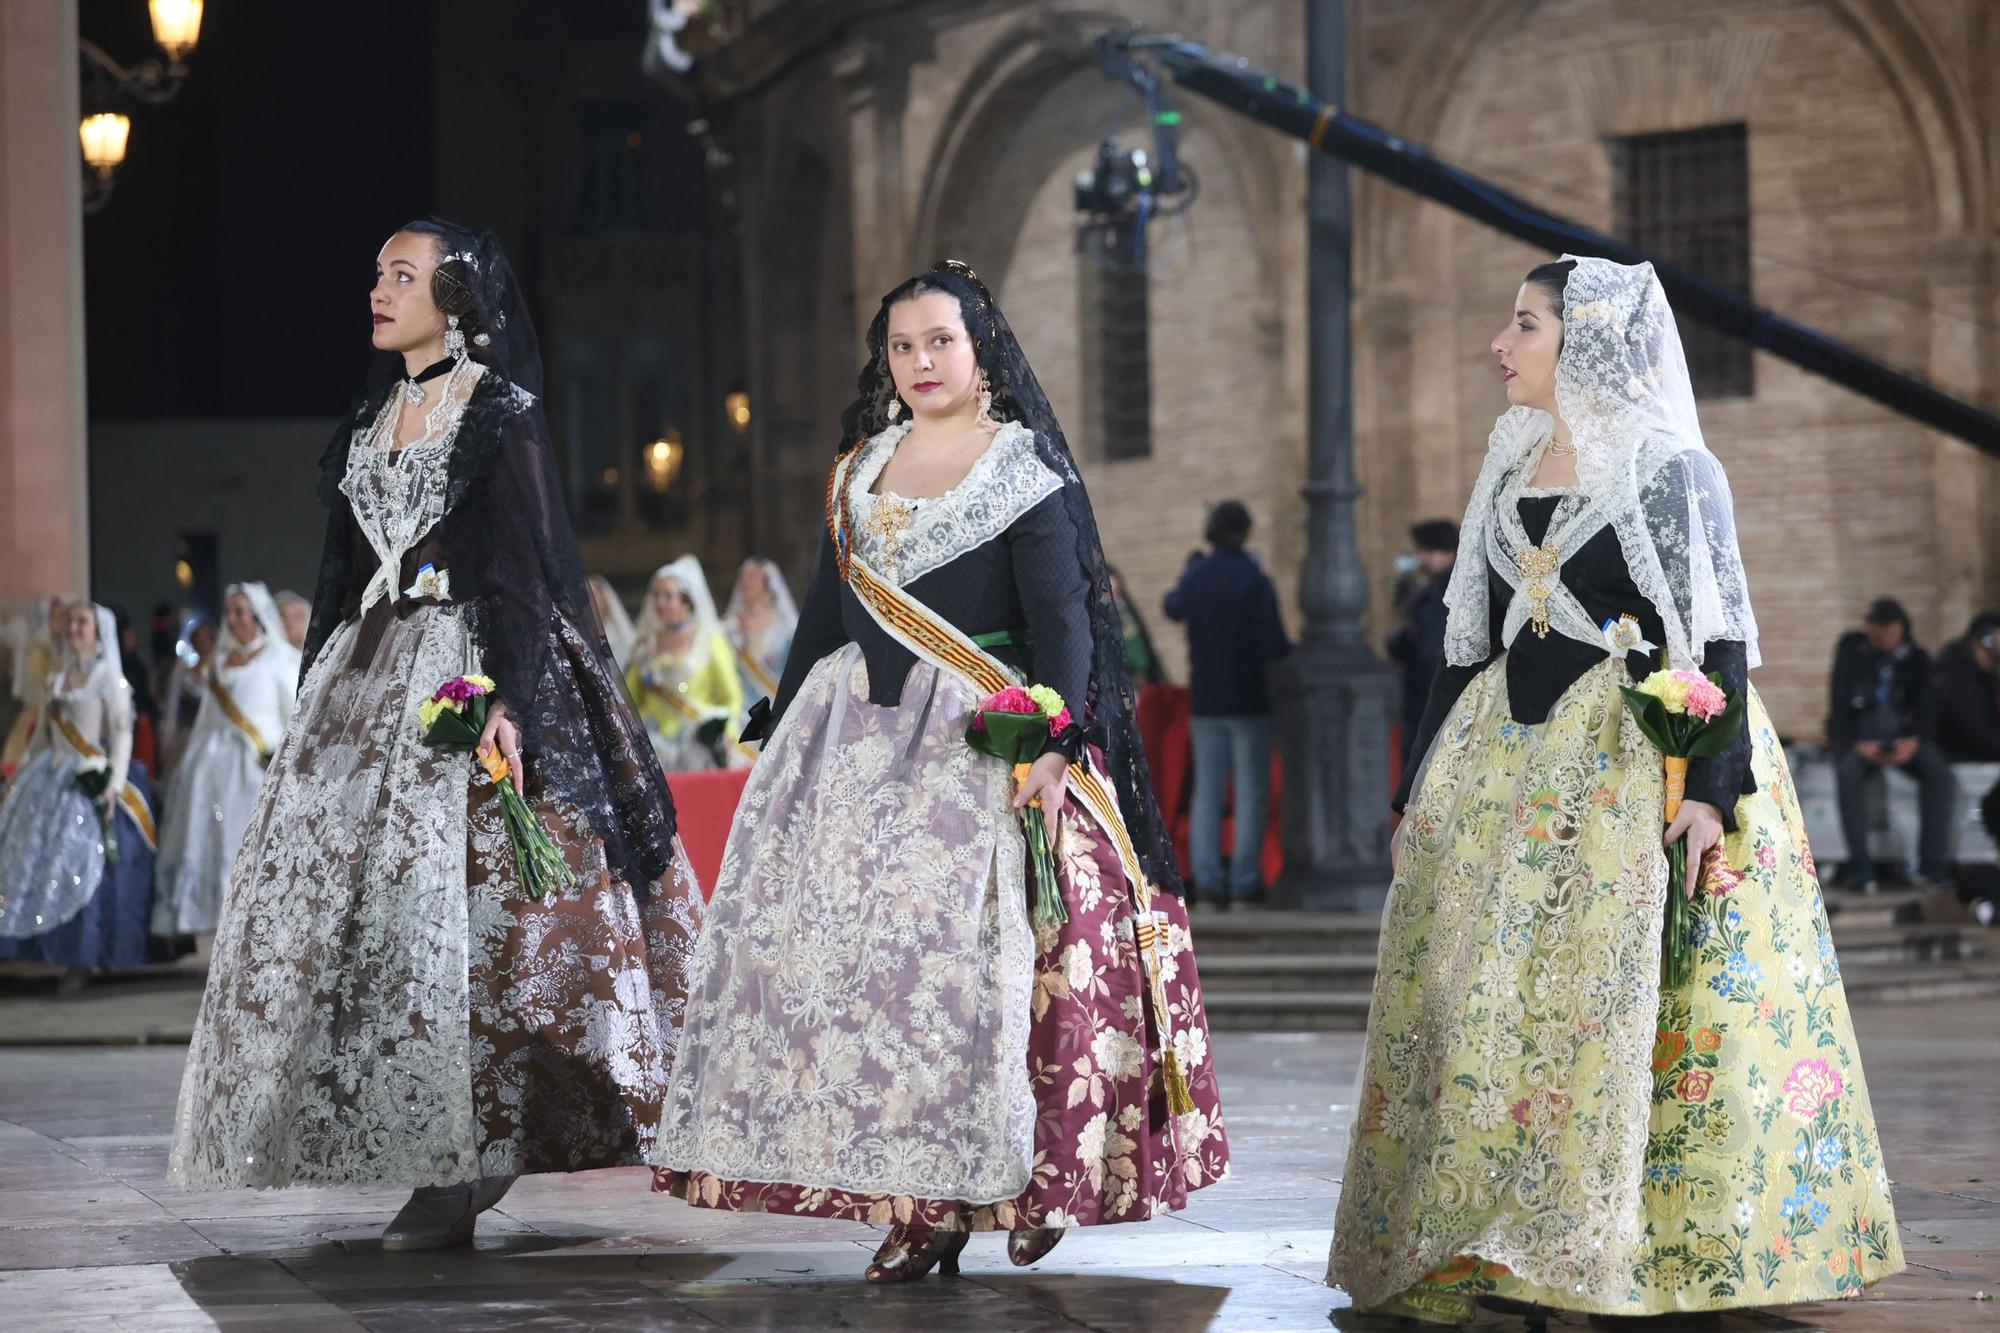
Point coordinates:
[[1916, 942], [1255, 931], [1261, 973], [1288, 1011], [1882, 908], [1921, 983]]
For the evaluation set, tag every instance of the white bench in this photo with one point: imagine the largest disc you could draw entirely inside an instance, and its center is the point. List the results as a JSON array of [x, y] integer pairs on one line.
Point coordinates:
[[1893, 816]]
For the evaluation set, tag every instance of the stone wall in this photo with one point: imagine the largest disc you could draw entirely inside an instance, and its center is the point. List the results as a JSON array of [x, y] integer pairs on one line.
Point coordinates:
[[906, 133]]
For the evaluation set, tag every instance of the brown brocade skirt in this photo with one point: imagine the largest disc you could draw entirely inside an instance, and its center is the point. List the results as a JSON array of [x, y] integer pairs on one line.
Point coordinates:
[[386, 1004]]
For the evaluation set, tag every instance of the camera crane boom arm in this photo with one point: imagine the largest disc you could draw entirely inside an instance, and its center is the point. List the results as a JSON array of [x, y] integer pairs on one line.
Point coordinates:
[[1263, 96]]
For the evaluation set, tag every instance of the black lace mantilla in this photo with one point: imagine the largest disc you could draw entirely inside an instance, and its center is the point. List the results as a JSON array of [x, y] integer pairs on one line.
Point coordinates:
[[1111, 703], [515, 570]]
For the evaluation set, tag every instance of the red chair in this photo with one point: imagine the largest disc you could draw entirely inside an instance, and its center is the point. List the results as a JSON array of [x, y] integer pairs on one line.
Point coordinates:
[[704, 806]]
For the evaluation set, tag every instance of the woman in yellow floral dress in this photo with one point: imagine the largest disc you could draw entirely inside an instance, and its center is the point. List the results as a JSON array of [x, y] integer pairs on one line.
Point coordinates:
[[1538, 1119]]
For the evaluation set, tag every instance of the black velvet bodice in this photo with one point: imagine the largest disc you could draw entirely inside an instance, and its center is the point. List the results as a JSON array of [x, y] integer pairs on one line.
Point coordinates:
[[1540, 668]]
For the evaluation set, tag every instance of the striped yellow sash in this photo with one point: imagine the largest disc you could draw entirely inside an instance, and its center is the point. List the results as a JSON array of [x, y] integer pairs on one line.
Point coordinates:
[[227, 703], [758, 675], [673, 699], [940, 643], [944, 646], [128, 796]]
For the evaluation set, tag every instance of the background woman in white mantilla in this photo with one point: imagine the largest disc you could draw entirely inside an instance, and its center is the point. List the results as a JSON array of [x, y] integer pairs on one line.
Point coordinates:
[[252, 680]]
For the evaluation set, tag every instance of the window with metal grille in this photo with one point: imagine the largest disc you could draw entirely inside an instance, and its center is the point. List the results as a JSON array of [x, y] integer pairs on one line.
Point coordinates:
[[1115, 342], [1684, 197]]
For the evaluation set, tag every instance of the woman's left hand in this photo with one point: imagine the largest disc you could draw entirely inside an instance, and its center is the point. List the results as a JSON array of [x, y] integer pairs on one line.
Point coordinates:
[[1048, 780], [1701, 824], [502, 733]]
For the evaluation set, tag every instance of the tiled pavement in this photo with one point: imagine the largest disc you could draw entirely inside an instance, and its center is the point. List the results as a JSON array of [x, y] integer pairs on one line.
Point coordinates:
[[92, 1236]]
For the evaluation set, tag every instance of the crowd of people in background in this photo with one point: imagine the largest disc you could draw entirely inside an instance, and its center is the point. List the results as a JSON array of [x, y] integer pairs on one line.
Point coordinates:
[[199, 710], [111, 872], [1892, 708]]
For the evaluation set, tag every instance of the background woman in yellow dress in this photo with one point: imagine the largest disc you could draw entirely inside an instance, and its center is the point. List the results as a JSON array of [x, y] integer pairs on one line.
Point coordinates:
[[1538, 1119], [683, 674]]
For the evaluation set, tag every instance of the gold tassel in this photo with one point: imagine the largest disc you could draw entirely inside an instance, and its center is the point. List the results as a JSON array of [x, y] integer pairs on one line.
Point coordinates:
[[1179, 1100]]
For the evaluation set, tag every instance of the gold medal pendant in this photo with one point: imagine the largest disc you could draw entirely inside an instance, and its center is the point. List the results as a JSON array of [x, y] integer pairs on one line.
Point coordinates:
[[888, 524], [1538, 566]]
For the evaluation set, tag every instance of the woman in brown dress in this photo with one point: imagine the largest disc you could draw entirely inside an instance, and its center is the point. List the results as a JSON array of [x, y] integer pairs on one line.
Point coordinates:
[[387, 1003]]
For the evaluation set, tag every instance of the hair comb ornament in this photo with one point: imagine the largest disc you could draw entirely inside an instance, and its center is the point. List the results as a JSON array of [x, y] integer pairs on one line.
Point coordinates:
[[958, 268]]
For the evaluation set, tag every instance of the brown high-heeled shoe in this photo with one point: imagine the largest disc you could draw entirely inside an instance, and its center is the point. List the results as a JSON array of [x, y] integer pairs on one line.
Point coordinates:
[[910, 1252], [1031, 1245]]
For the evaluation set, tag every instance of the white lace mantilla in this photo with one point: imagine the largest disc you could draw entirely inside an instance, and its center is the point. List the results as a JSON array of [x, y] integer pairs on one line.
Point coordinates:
[[1008, 480], [398, 494], [1643, 469]]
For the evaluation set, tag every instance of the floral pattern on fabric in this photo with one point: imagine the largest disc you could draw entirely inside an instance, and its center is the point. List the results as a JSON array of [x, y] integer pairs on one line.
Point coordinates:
[[860, 1015], [386, 1004], [1105, 1147], [1537, 1121]]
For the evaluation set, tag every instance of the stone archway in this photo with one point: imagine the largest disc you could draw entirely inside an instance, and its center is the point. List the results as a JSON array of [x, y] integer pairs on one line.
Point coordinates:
[[1917, 173], [1227, 358]]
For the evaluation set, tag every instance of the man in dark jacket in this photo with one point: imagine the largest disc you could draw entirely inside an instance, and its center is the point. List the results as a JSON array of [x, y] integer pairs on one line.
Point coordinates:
[[1967, 687], [1883, 716], [1230, 608], [1967, 690], [1418, 646]]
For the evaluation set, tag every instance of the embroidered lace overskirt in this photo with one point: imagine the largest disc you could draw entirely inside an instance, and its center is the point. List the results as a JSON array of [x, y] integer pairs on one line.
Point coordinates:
[[385, 1003], [1533, 1121], [860, 1015], [51, 844], [65, 902], [843, 984]]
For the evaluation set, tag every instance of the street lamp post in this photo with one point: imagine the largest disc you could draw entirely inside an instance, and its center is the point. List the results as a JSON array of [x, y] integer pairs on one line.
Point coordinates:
[[106, 133], [1335, 696]]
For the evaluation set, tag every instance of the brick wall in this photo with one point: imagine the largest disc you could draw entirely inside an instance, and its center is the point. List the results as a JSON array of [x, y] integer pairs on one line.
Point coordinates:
[[1866, 223], [1837, 501]]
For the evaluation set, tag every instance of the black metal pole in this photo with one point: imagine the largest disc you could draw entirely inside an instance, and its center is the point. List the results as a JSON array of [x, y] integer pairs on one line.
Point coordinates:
[[1334, 697]]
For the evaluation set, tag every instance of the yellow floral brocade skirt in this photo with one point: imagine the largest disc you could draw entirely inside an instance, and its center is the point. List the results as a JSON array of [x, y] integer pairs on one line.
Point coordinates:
[[1535, 1119]]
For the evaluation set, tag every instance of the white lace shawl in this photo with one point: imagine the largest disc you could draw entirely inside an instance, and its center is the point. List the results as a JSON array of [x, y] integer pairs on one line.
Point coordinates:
[[1643, 469], [1006, 482]]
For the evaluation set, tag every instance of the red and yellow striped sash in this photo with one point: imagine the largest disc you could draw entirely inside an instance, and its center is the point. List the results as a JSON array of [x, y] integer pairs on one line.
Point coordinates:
[[227, 703], [759, 675], [128, 797]]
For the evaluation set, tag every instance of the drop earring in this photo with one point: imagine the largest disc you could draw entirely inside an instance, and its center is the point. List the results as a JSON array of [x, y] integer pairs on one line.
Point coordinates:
[[454, 340], [985, 397], [895, 408]]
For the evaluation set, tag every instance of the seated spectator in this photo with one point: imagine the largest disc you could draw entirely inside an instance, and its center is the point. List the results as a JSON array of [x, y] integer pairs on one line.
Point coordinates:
[[1883, 716], [1967, 688]]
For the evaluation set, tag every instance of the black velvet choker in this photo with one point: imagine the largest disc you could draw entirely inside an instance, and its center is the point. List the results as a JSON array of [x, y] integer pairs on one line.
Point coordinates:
[[433, 370]]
